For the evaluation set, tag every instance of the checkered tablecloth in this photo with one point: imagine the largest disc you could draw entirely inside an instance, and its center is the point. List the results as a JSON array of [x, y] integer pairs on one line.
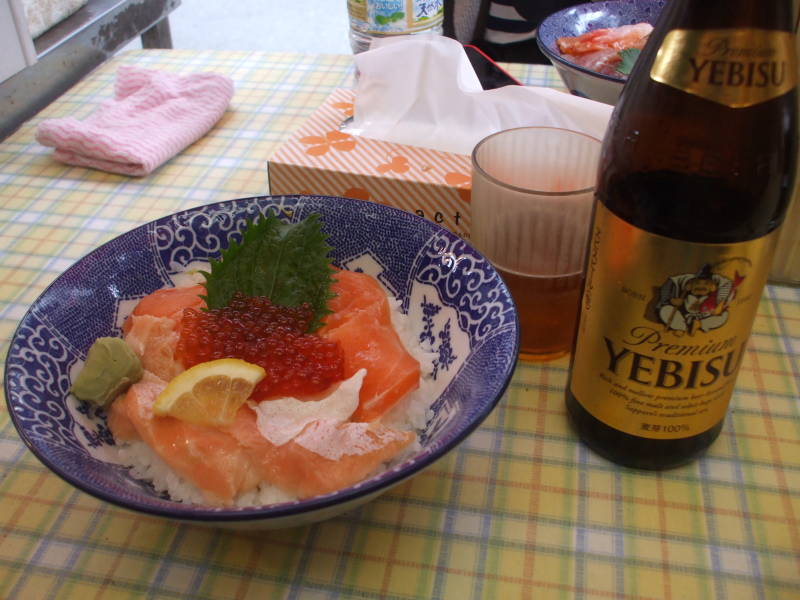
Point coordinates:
[[519, 510]]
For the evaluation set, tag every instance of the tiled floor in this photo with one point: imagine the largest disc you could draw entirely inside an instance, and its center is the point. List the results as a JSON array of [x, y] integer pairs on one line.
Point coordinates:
[[317, 26]]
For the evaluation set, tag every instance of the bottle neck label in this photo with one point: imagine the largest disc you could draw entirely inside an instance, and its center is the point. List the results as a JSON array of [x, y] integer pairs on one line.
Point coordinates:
[[733, 67], [663, 327]]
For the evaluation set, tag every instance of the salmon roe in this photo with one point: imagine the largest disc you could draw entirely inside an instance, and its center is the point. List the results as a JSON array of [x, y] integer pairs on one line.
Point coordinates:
[[275, 337]]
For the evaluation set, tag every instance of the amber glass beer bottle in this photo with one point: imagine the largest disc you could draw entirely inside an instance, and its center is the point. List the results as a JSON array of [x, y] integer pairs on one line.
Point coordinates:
[[695, 177]]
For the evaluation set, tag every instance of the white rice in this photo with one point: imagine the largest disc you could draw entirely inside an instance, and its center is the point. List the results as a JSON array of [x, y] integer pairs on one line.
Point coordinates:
[[410, 414], [147, 465]]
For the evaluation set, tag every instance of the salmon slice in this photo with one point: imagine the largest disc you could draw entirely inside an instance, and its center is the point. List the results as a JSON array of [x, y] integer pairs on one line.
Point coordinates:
[[355, 292], [210, 458], [362, 324], [228, 461], [324, 458], [392, 372], [120, 424], [154, 340], [170, 302], [601, 61], [616, 38]]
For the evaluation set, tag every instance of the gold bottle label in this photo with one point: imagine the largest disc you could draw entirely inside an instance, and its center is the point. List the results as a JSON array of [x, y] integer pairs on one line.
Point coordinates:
[[664, 327], [734, 67]]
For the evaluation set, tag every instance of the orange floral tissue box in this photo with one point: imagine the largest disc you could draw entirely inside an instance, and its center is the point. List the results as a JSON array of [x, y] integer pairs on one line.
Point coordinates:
[[321, 159]]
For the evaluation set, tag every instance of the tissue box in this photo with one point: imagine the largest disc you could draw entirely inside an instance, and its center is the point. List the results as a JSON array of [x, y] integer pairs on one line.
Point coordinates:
[[321, 159]]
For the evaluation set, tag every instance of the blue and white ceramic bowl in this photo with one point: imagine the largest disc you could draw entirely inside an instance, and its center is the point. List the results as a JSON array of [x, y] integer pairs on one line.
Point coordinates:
[[577, 20], [452, 294]]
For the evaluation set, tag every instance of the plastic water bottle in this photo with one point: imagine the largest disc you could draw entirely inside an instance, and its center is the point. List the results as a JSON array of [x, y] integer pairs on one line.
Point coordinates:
[[370, 19]]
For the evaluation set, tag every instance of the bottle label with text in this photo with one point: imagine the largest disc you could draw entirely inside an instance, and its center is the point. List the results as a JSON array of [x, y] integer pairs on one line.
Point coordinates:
[[395, 17], [663, 328], [733, 67]]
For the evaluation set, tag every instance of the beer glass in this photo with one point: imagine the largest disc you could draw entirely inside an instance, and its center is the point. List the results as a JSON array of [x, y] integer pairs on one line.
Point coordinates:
[[532, 194]]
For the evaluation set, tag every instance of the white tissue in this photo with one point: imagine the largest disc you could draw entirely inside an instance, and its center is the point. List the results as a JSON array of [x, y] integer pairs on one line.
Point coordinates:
[[421, 90]]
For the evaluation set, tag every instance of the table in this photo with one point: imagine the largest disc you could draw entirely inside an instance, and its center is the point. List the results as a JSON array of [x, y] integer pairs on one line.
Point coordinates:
[[520, 510]]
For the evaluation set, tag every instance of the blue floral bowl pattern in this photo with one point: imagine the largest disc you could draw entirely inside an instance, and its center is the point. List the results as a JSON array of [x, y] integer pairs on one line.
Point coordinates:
[[577, 20], [454, 297]]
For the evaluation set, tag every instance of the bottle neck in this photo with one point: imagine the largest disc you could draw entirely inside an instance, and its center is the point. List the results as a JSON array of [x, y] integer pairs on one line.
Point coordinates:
[[718, 14], [708, 117], [735, 41]]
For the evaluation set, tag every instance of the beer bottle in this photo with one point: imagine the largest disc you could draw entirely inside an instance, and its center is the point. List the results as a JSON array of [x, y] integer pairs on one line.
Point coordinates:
[[696, 173]]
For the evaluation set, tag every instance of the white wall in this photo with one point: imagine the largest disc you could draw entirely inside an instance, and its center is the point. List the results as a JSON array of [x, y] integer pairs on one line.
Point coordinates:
[[16, 46]]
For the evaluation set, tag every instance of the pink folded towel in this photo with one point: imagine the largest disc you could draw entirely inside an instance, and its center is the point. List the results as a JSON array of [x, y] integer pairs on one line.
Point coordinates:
[[153, 116]]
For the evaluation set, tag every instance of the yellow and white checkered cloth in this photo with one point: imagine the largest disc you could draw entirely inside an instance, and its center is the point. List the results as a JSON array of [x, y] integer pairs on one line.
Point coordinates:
[[520, 510]]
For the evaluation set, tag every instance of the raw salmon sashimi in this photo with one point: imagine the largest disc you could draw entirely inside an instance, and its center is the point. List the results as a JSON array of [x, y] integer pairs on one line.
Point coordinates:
[[152, 328], [362, 325], [615, 38], [170, 302], [355, 292], [601, 61], [225, 462], [154, 340], [210, 458], [326, 456], [392, 372]]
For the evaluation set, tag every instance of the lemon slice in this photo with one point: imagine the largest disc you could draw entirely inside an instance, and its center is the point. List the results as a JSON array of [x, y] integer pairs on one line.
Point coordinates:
[[209, 393]]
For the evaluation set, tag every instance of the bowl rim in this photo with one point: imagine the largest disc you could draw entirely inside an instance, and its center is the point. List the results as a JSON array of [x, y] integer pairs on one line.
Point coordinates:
[[548, 52], [267, 513]]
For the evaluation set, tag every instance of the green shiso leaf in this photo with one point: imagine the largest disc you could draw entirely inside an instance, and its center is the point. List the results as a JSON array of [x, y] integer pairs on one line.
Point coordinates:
[[628, 56], [287, 262]]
